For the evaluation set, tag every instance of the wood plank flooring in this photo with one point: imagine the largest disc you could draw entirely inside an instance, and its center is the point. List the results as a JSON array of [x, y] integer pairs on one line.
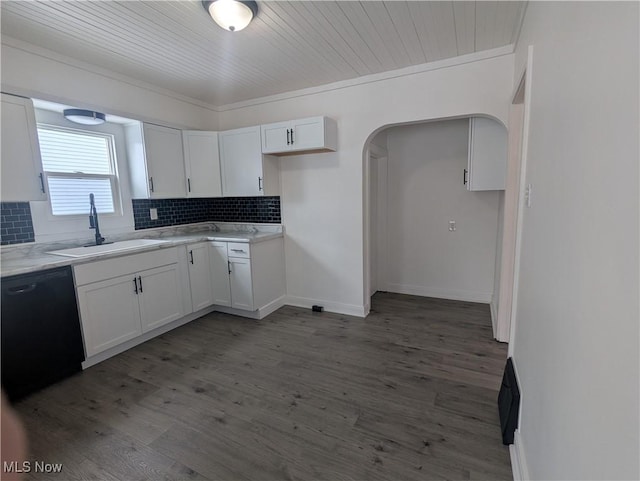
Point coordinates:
[[409, 393]]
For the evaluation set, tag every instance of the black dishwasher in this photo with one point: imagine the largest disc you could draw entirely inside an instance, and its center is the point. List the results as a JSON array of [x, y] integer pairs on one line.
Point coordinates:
[[41, 338]]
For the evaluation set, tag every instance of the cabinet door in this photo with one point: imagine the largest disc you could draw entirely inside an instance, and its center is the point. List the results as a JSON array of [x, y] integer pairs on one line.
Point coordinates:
[[202, 163], [487, 163], [241, 286], [241, 162], [109, 313], [21, 164], [200, 275], [220, 273], [165, 161], [308, 134], [276, 137], [160, 296]]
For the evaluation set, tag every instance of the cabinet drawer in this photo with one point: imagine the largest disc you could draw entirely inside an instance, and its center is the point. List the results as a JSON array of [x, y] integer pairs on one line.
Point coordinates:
[[238, 249], [119, 266]]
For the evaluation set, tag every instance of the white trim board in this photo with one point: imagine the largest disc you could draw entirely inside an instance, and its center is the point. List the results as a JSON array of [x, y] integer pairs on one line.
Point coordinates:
[[451, 294], [377, 77], [518, 460], [257, 314], [494, 317], [94, 69], [329, 306]]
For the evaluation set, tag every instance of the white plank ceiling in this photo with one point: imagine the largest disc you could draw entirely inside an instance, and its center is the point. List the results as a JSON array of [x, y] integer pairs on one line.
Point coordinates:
[[290, 45]]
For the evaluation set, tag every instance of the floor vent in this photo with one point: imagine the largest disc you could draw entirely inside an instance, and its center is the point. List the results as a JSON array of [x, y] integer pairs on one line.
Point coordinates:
[[509, 403]]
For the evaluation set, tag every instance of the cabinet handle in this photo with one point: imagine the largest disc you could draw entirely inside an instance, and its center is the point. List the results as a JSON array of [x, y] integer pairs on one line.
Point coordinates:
[[288, 137], [140, 281], [291, 136], [464, 180], [151, 183], [191, 254], [229, 266], [42, 183], [238, 250], [189, 184], [259, 183], [135, 285]]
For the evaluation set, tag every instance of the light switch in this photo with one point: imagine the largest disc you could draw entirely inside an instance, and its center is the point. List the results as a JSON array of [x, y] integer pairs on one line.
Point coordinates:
[[452, 226], [153, 212]]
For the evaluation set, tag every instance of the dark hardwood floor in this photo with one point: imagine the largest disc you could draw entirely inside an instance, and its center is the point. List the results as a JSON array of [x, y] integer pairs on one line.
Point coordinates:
[[409, 393]]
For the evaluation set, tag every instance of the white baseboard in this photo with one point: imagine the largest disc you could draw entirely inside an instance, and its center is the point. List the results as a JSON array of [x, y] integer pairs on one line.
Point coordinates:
[[259, 314], [337, 307], [518, 461], [452, 294], [125, 346]]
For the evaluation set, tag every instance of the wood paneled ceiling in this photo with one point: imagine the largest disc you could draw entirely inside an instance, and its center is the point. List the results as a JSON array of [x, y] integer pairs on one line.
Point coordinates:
[[290, 45]]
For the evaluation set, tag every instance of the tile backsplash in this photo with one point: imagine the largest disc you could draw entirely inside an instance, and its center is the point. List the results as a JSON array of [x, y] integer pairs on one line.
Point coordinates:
[[16, 226], [222, 209]]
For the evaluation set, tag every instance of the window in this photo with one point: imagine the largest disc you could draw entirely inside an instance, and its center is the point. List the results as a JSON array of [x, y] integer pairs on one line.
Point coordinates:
[[77, 163]]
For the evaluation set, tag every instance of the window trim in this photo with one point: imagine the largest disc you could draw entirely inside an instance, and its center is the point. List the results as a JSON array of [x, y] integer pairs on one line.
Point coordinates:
[[114, 177]]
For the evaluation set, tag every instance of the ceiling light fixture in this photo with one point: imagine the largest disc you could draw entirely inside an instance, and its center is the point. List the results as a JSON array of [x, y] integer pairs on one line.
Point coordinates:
[[232, 15], [85, 117]]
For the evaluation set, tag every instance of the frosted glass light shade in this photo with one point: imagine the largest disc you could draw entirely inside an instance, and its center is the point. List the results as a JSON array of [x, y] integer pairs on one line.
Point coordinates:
[[85, 117], [232, 15]]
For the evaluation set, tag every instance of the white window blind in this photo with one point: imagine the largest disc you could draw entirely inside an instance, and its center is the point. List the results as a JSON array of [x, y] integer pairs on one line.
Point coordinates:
[[77, 163]]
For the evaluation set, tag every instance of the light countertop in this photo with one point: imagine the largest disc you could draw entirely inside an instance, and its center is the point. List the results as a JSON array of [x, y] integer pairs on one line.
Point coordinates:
[[26, 258]]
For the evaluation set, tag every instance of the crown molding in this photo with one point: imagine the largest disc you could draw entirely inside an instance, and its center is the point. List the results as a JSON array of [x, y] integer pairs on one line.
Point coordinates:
[[94, 69], [378, 77]]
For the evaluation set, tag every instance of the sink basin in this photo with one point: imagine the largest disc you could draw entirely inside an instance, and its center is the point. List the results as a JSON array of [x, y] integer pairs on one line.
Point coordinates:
[[107, 248]]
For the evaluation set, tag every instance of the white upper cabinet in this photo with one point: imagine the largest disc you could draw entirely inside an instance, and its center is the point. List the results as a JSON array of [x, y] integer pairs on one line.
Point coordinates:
[[156, 162], [315, 134], [487, 161], [202, 163], [22, 178], [245, 171]]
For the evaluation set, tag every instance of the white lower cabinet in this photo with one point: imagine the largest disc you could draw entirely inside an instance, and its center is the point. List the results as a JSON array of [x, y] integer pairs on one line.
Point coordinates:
[[200, 275], [110, 313], [220, 273], [246, 276], [160, 296], [122, 298], [241, 285]]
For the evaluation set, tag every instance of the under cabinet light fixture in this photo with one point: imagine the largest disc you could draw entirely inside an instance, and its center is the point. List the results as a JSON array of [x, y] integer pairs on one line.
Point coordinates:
[[232, 15], [85, 117]]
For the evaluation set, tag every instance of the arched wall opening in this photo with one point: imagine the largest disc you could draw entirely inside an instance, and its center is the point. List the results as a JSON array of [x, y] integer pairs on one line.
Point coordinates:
[[412, 191]]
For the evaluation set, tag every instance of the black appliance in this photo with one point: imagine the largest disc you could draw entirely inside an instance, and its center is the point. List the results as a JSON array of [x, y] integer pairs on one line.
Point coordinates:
[[509, 403], [41, 337]]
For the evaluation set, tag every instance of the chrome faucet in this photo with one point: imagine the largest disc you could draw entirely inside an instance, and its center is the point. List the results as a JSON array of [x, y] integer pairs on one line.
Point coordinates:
[[93, 220]]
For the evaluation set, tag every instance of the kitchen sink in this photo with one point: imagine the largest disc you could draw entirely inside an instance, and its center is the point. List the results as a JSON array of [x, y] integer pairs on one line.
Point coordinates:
[[107, 248]]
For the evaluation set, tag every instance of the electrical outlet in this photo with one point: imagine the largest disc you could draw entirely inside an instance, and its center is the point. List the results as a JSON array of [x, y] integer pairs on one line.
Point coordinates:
[[452, 226], [153, 212], [528, 192]]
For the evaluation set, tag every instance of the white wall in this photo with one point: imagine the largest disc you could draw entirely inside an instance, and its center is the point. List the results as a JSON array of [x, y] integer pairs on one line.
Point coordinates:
[[425, 192], [48, 228], [576, 334], [38, 73], [322, 194]]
